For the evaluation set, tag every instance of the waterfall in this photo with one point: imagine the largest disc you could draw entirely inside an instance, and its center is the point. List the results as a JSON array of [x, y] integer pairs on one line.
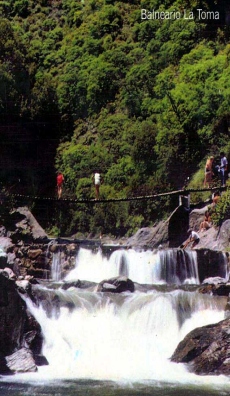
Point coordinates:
[[56, 266], [127, 336], [145, 267]]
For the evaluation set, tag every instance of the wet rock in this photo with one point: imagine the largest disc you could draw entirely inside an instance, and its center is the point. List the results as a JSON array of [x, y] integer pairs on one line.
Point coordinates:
[[21, 361], [67, 285], [213, 280], [206, 349], [12, 317], [40, 360], [211, 264], [216, 289], [116, 285], [9, 272], [3, 258], [24, 286], [227, 309]]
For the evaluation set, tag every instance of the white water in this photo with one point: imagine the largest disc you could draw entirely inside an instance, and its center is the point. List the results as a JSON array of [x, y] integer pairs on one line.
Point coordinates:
[[145, 267], [56, 266], [127, 336]]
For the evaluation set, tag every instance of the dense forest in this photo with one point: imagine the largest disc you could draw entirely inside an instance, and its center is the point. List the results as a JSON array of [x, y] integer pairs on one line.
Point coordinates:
[[89, 85]]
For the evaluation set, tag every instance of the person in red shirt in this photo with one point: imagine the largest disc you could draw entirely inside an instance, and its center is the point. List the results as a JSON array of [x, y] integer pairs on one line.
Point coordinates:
[[60, 181]]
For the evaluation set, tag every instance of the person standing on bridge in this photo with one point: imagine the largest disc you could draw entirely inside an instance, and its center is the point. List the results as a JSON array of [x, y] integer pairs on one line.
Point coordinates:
[[97, 180], [60, 181], [208, 172]]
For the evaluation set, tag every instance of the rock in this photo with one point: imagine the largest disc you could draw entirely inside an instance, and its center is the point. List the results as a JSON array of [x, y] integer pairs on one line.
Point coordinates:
[[149, 237], [2, 231], [218, 289], [4, 369], [173, 232], [11, 258], [40, 360], [211, 263], [3, 258], [169, 233], [116, 285], [224, 235], [72, 248], [214, 280], [67, 285], [206, 349], [24, 220], [33, 254], [10, 273], [21, 361], [12, 317], [54, 248], [196, 217], [6, 243], [24, 286]]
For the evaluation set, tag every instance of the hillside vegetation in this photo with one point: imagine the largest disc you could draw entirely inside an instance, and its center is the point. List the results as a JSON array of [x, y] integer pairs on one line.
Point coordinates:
[[142, 101]]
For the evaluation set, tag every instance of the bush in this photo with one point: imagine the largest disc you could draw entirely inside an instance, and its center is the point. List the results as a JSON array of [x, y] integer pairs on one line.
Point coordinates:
[[221, 211]]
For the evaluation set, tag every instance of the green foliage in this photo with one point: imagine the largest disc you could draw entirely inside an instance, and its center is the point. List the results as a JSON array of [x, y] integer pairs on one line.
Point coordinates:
[[21, 8], [221, 211], [142, 101]]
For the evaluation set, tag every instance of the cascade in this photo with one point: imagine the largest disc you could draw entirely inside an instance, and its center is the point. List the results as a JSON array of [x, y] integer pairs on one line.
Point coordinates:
[[127, 336], [56, 266], [171, 266]]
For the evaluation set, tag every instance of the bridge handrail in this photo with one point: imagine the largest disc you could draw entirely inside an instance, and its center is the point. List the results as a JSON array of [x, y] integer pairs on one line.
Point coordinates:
[[135, 198]]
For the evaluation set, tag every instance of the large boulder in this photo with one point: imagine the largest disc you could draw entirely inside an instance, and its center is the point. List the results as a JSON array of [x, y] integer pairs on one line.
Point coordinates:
[[21, 361], [20, 333], [116, 285], [168, 233], [150, 237], [206, 349], [25, 227], [224, 235], [196, 217], [12, 316]]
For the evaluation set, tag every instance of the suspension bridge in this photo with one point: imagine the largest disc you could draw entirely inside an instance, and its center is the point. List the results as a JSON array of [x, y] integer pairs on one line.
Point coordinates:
[[179, 193]]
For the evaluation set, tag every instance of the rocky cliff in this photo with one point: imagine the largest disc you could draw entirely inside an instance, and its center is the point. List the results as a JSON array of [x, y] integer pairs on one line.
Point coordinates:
[[173, 232]]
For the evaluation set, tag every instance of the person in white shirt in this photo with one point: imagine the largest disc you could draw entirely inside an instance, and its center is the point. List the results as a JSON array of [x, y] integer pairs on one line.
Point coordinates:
[[97, 182], [193, 237], [223, 168]]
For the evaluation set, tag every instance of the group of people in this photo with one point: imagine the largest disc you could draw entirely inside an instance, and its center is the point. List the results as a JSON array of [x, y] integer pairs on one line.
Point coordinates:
[[97, 181], [212, 169], [193, 236]]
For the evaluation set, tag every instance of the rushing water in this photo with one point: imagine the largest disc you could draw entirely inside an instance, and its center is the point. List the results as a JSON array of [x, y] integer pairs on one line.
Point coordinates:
[[167, 266], [120, 344]]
